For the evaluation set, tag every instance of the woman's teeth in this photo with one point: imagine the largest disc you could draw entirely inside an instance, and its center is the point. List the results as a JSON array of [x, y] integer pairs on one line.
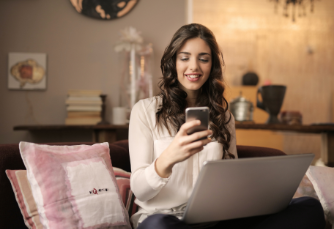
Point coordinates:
[[193, 76]]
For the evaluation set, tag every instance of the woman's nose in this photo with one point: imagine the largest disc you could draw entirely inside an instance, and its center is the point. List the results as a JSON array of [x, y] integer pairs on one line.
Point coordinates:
[[193, 65]]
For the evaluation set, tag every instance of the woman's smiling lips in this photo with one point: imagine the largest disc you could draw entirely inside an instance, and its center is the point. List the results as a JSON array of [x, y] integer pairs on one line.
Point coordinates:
[[193, 76]]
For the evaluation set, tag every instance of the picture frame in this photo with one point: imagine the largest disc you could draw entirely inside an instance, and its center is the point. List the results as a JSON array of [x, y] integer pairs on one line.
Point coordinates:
[[27, 71]]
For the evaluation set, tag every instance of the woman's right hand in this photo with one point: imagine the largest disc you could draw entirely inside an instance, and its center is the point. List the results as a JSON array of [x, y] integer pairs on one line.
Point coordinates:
[[182, 147]]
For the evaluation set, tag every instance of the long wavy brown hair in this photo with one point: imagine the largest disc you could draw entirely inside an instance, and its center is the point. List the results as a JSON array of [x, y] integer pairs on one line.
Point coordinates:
[[171, 113]]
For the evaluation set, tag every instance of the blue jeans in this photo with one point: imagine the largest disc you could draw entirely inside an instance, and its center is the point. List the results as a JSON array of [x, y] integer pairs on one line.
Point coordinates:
[[302, 213]]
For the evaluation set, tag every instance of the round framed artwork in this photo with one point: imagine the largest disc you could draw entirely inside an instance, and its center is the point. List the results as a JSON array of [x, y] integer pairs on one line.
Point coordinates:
[[104, 9]]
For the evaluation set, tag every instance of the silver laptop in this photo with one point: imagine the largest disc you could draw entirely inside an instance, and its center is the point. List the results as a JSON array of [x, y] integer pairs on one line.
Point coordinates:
[[230, 189]]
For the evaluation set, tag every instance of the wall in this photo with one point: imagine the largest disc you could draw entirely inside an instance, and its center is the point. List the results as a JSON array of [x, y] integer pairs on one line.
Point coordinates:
[[297, 54], [79, 56]]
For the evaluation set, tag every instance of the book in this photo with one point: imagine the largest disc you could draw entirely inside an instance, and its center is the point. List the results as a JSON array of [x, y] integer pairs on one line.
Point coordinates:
[[82, 121], [83, 114], [84, 98], [84, 108], [83, 102], [87, 93]]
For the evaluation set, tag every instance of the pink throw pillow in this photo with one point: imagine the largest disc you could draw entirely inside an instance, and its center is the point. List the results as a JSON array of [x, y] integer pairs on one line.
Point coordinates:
[[24, 198], [28, 207], [74, 186]]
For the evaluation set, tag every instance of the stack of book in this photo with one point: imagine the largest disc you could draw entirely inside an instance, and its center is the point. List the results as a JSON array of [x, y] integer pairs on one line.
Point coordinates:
[[84, 107]]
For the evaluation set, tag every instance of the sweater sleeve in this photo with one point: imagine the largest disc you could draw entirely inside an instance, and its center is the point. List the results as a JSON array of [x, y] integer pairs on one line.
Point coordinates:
[[145, 182]]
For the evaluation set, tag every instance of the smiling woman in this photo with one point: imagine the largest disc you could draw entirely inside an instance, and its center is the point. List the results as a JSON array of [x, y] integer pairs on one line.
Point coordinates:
[[165, 160], [104, 9]]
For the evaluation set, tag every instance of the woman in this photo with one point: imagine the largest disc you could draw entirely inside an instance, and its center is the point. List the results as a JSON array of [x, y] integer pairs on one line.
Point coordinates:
[[165, 161]]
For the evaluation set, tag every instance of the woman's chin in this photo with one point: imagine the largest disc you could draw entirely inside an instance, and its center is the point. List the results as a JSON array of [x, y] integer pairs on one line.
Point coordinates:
[[192, 89]]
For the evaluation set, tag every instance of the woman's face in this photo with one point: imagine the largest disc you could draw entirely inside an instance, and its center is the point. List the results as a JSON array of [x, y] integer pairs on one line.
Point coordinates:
[[193, 65]]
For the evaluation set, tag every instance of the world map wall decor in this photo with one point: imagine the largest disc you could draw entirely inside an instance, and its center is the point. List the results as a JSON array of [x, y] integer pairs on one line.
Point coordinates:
[[104, 9]]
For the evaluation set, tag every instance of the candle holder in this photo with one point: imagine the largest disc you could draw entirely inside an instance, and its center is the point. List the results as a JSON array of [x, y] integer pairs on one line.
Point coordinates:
[[103, 111]]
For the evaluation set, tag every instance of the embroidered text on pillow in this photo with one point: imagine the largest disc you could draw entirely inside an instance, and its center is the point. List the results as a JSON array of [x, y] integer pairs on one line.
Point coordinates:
[[94, 191]]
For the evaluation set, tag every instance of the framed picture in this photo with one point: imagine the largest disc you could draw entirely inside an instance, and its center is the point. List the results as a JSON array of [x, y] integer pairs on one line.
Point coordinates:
[[27, 71]]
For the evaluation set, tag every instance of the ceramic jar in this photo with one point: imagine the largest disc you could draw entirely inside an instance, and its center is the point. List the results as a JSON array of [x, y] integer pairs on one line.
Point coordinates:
[[242, 109]]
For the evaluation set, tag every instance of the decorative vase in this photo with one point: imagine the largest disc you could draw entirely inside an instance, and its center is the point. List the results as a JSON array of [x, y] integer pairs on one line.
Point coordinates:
[[119, 116], [272, 100], [136, 76]]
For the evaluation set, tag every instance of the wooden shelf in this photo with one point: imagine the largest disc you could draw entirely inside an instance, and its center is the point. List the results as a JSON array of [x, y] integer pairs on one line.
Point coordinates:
[[70, 127], [281, 127], [253, 126]]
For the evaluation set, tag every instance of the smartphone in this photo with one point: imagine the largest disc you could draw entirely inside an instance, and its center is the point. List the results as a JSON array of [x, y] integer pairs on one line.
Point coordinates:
[[198, 113]]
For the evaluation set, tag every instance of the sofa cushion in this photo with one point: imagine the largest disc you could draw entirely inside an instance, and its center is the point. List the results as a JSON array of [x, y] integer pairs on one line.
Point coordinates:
[[123, 182], [74, 186], [322, 179]]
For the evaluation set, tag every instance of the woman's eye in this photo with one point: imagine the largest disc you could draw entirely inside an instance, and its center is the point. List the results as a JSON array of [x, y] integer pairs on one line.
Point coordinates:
[[204, 60]]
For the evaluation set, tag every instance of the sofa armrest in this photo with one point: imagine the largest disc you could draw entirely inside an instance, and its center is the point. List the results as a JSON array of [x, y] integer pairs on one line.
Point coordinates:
[[256, 151]]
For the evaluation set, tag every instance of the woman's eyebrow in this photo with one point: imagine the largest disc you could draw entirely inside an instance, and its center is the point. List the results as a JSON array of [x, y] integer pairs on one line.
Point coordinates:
[[187, 53], [201, 54]]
